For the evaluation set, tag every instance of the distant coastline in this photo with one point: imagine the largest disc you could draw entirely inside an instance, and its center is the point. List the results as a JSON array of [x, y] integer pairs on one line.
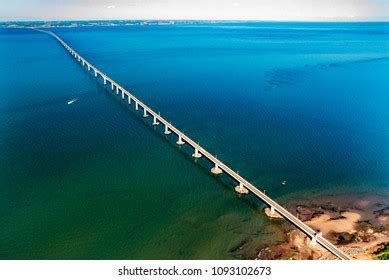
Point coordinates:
[[94, 23], [83, 23]]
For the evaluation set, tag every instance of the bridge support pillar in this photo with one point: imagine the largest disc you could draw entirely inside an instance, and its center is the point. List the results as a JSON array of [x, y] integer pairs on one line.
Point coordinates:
[[122, 94], [112, 85], [180, 142], [216, 169], [88, 67], [129, 100], [136, 106], [117, 90], [95, 73], [196, 154], [145, 115], [272, 210], [155, 122], [83, 62], [313, 241], [167, 131], [241, 189]]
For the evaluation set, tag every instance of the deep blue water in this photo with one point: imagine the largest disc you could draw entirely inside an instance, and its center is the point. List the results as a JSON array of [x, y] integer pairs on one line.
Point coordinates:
[[301, 102]]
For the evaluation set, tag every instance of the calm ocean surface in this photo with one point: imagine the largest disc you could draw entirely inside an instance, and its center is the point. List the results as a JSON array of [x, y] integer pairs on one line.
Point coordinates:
[[303, 102]]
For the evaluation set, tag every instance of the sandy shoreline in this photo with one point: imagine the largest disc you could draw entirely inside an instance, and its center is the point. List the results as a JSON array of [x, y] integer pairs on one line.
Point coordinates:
[[345, 223], [358, 225]]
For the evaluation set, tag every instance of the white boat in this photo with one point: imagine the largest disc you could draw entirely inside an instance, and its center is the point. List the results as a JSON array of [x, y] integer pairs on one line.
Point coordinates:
[[72, 101]]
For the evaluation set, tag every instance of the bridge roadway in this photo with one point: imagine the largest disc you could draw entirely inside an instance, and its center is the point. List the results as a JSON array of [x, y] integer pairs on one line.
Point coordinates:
[[200, 151]]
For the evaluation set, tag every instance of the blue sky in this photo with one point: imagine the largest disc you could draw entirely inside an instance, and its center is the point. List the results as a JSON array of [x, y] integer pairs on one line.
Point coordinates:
[[321, 10]]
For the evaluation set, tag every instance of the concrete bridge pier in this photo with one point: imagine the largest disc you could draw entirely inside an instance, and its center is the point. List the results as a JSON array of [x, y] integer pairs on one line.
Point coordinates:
[[272, 210], [117, 90], [136, 106], [167, 131], [241, 189], [105, 80], [122, 94], [180, 142], [145, 115], [129, 100], [95, 72], [88, 67], [83, 62], [313, 241], [112, 86], [155, 122], [216, 170], [196, 154]]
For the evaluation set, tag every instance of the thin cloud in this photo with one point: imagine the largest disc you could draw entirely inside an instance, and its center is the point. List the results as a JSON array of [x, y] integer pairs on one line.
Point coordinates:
[[111, 7]]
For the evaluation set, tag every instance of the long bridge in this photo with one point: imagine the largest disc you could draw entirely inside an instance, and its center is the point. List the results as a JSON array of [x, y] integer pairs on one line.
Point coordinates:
[[243, 186]]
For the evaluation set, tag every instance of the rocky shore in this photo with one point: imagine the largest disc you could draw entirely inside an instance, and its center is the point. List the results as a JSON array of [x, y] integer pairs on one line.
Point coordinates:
[[358, 225]]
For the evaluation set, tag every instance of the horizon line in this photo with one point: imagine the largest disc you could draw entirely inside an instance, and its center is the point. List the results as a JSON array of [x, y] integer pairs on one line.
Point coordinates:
[[328, 20]]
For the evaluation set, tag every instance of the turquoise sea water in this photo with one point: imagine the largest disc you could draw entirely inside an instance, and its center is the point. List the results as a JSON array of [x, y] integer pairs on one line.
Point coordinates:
[[301, 102]]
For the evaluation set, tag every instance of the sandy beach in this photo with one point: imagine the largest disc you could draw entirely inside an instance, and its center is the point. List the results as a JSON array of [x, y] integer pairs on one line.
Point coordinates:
[[345, 223], [357, 225]]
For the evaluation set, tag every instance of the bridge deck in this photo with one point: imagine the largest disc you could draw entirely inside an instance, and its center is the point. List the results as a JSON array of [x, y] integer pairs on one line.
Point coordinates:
[[255, 191]]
